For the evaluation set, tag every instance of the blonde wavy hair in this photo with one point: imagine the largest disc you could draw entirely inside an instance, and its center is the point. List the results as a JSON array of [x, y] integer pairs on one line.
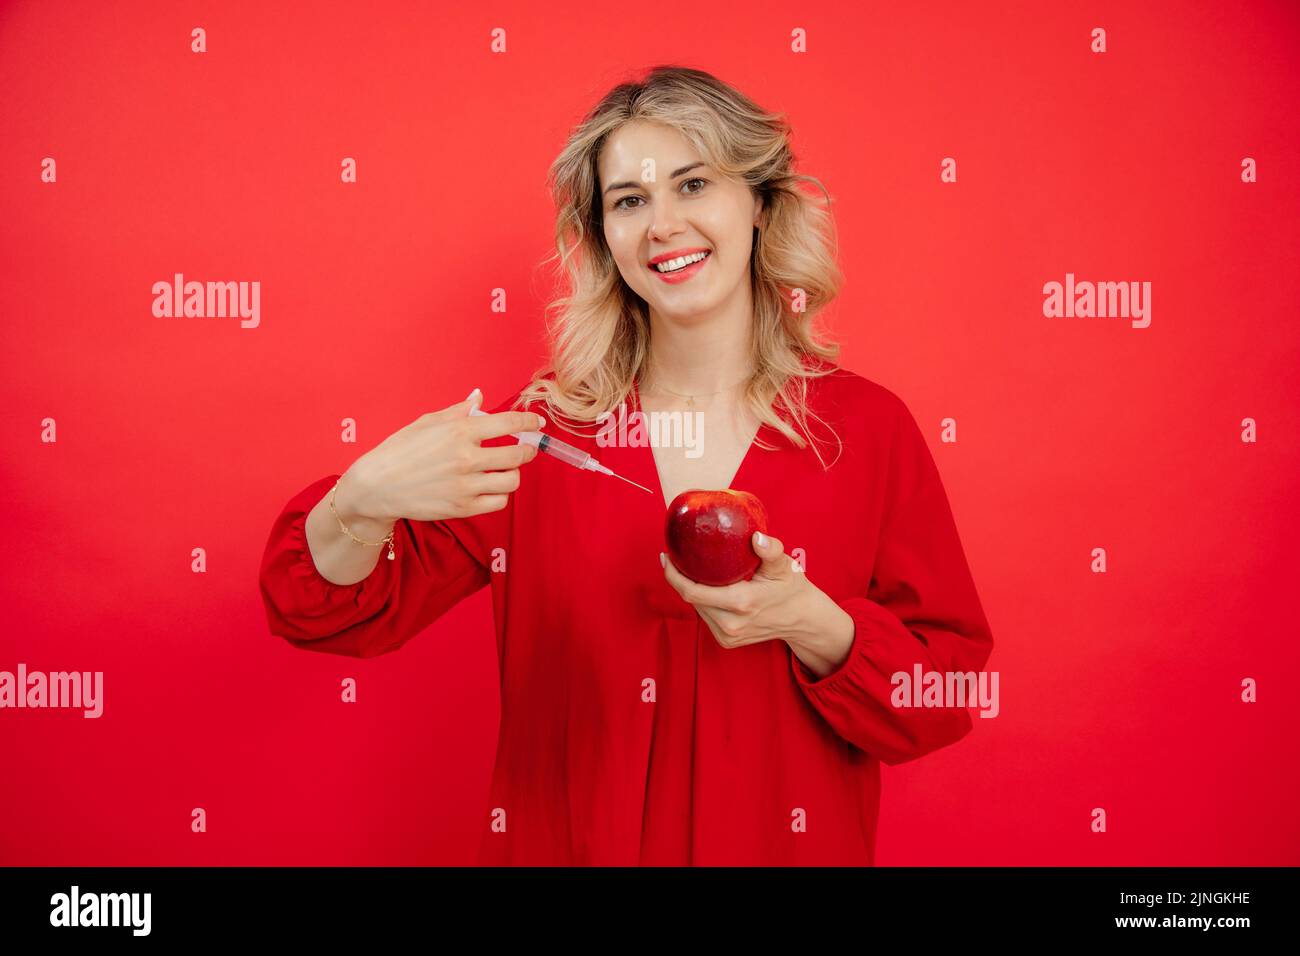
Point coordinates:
[[600, 330]]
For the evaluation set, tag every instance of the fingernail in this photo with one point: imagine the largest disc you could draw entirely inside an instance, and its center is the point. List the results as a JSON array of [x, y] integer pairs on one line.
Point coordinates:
[[663, 561], [541, 422], [471, 395], [762, 539]]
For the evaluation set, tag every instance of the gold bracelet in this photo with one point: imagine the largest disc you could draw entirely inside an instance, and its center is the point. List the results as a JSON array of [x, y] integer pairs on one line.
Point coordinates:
[[344, 528]]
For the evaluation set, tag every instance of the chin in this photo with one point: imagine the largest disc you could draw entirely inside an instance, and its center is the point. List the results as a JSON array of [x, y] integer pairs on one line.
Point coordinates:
[[687, 313]]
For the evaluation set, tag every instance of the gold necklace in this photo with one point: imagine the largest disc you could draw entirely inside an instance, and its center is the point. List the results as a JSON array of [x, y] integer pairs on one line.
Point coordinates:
[[690, 399]]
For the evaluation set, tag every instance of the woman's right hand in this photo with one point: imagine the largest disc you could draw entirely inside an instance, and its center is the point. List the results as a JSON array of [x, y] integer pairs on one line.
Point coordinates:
[[434, 468]]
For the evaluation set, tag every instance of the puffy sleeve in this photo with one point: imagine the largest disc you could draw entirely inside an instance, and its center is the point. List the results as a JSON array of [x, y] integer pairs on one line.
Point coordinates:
[[431, 571], [921, 608]]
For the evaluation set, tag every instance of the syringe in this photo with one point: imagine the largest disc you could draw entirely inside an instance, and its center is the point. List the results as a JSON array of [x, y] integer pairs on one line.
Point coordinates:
[[563, 452]]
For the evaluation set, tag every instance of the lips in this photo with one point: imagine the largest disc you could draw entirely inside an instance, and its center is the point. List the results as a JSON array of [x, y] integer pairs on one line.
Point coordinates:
[[676, 254], [685, 273]]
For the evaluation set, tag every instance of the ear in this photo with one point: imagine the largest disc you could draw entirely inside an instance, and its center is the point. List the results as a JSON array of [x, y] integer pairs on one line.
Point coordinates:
[[758, 209]]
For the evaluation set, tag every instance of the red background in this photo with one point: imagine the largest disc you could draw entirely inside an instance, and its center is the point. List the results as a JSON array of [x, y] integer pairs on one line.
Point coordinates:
[[1118, 690]]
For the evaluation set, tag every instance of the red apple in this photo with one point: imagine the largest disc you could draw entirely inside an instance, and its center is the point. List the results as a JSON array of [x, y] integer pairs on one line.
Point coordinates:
[[710, 535]]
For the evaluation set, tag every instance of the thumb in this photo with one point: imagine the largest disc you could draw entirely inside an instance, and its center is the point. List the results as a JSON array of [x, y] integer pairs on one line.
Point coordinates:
[[772, 551]]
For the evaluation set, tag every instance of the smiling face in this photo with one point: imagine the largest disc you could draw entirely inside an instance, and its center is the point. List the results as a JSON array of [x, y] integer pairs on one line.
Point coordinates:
[[686, 210]]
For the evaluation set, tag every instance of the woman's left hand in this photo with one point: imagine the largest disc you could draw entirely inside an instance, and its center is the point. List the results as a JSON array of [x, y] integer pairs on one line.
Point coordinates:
[[778, 602]]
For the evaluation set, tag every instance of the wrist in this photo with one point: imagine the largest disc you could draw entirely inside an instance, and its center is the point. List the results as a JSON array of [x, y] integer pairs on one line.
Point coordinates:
[[353, 505], [826, 630]]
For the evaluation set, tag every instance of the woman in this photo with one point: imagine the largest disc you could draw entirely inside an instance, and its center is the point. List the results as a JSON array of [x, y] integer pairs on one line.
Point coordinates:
[[647, 719]]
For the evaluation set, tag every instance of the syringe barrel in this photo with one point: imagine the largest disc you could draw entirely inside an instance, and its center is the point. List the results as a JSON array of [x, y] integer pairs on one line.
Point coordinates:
[[558, 449]]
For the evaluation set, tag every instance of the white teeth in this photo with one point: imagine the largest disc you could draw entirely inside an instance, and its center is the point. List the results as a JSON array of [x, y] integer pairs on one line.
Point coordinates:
[[681, 262]]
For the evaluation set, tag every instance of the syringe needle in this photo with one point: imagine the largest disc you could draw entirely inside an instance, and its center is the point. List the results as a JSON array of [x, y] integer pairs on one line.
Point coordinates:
[[592, 465], [631, 482]]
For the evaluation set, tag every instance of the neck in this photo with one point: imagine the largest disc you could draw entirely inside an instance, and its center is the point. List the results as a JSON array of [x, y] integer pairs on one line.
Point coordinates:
[[703, 354]]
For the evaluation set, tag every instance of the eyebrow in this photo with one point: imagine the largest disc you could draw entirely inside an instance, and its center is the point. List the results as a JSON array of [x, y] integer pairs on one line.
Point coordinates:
[[631, 185]]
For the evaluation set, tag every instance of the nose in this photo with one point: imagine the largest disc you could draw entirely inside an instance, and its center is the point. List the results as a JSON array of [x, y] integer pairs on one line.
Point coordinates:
[[667, 221]]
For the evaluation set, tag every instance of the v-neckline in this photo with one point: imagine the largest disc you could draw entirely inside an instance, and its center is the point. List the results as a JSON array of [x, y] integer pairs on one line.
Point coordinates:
[[654, 464]]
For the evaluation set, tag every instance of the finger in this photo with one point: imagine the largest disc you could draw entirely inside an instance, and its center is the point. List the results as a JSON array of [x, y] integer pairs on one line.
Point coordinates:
[[501, 457], [485, 503], [452, 412], [495, 482], [679, 581], [462, 408], [715, 628], [712, 626], [731, 599], [505, 423], [722, 621], [703, 595]]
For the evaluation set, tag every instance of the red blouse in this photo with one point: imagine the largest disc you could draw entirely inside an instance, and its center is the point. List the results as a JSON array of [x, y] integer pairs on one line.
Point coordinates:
[[740, 756]]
